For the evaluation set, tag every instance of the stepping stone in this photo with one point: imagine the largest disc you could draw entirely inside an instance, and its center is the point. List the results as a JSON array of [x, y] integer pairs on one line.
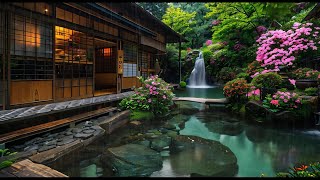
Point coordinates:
[[66, 141], [76, 130], [96, 127], [88, 123], [45, 148], [19, 147], [83, 136], [30, 148], [89, 131], [65, 138], [68, 133], [86, 128], [49, 143]]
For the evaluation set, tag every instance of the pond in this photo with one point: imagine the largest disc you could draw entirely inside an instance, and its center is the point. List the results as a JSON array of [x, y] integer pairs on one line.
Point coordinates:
[[258, 149]]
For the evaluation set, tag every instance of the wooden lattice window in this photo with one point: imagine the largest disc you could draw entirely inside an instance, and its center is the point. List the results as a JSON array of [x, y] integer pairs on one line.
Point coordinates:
[[31, 49]]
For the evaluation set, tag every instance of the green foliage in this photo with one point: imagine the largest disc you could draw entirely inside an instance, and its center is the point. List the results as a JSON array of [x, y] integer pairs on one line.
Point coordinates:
[[154, 96], [268, 80], [141, 115], [312, 91], [183, 84], [313, 170], [298, 17], [305, 73], [244, 76], [215, 46], [283, 89], [6, 163], [179, 20], [157, 9], [226, 74], [207, 55], [201, 29]]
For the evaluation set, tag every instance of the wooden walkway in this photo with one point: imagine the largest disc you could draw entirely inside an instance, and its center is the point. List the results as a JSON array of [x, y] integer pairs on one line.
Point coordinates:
[[27, 168], [35, 111], [202, 100]]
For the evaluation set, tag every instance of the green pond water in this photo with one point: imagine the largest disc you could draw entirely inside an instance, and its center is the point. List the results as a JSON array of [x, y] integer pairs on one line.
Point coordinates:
[[258, 149]]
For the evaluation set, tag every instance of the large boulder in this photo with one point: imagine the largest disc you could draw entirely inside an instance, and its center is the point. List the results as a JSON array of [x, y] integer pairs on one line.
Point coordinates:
[[201, 157], [132, 160], [160, 143], [225, 127], [186, 108]]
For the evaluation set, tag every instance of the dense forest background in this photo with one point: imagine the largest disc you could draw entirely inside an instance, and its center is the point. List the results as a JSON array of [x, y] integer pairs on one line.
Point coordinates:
[[225, 32]]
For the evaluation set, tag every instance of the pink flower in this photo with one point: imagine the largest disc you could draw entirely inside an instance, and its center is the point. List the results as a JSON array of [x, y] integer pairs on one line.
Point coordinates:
[[285, 100], [164, 97], [275, 102], [149, 100], [281, 97], [298, 101], [208, 42], [154, 88]]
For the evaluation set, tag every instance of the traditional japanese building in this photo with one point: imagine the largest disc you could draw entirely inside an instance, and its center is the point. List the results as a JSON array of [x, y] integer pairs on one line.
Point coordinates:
[[53, 52]]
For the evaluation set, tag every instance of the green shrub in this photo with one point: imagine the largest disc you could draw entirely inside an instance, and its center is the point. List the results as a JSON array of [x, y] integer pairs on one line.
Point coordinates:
[[312, 91], [6, 163], [244, 76], [236, 88], [207, 55], [215, 46], [226, 74], [155, 95], [283, 90], [305, 73], [183, 84], [268, 80]]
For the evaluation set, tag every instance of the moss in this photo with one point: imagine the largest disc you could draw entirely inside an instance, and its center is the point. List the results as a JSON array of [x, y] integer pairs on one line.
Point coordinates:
[[141, 115]]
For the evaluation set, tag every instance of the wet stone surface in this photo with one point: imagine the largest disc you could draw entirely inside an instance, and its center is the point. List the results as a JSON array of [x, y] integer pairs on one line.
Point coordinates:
[[49, 141]]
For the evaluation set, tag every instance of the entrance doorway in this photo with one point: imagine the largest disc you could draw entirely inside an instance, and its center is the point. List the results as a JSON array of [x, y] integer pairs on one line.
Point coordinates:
[[105, 67]]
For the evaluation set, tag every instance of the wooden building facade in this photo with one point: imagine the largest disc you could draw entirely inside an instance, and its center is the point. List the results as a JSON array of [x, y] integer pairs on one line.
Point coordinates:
[[53, 52]]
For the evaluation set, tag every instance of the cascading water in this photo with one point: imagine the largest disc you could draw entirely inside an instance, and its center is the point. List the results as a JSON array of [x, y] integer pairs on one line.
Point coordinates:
[[198, 75]]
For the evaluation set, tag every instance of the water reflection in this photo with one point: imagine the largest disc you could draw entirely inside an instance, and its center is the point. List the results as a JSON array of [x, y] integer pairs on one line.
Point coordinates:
[[259, 150], [201, 92]]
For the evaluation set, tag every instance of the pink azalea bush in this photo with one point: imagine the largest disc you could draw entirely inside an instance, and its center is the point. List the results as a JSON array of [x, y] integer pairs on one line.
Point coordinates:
[[281, 48], [154, 95], [208, 42], [282, 101]]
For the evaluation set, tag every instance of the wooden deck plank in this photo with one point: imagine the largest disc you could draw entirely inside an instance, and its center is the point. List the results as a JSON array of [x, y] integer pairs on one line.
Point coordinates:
[[25, 132], [27, 168], [4, 173]]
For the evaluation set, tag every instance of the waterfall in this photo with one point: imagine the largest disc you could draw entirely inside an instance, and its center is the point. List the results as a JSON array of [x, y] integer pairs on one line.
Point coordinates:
[[198, 75]]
